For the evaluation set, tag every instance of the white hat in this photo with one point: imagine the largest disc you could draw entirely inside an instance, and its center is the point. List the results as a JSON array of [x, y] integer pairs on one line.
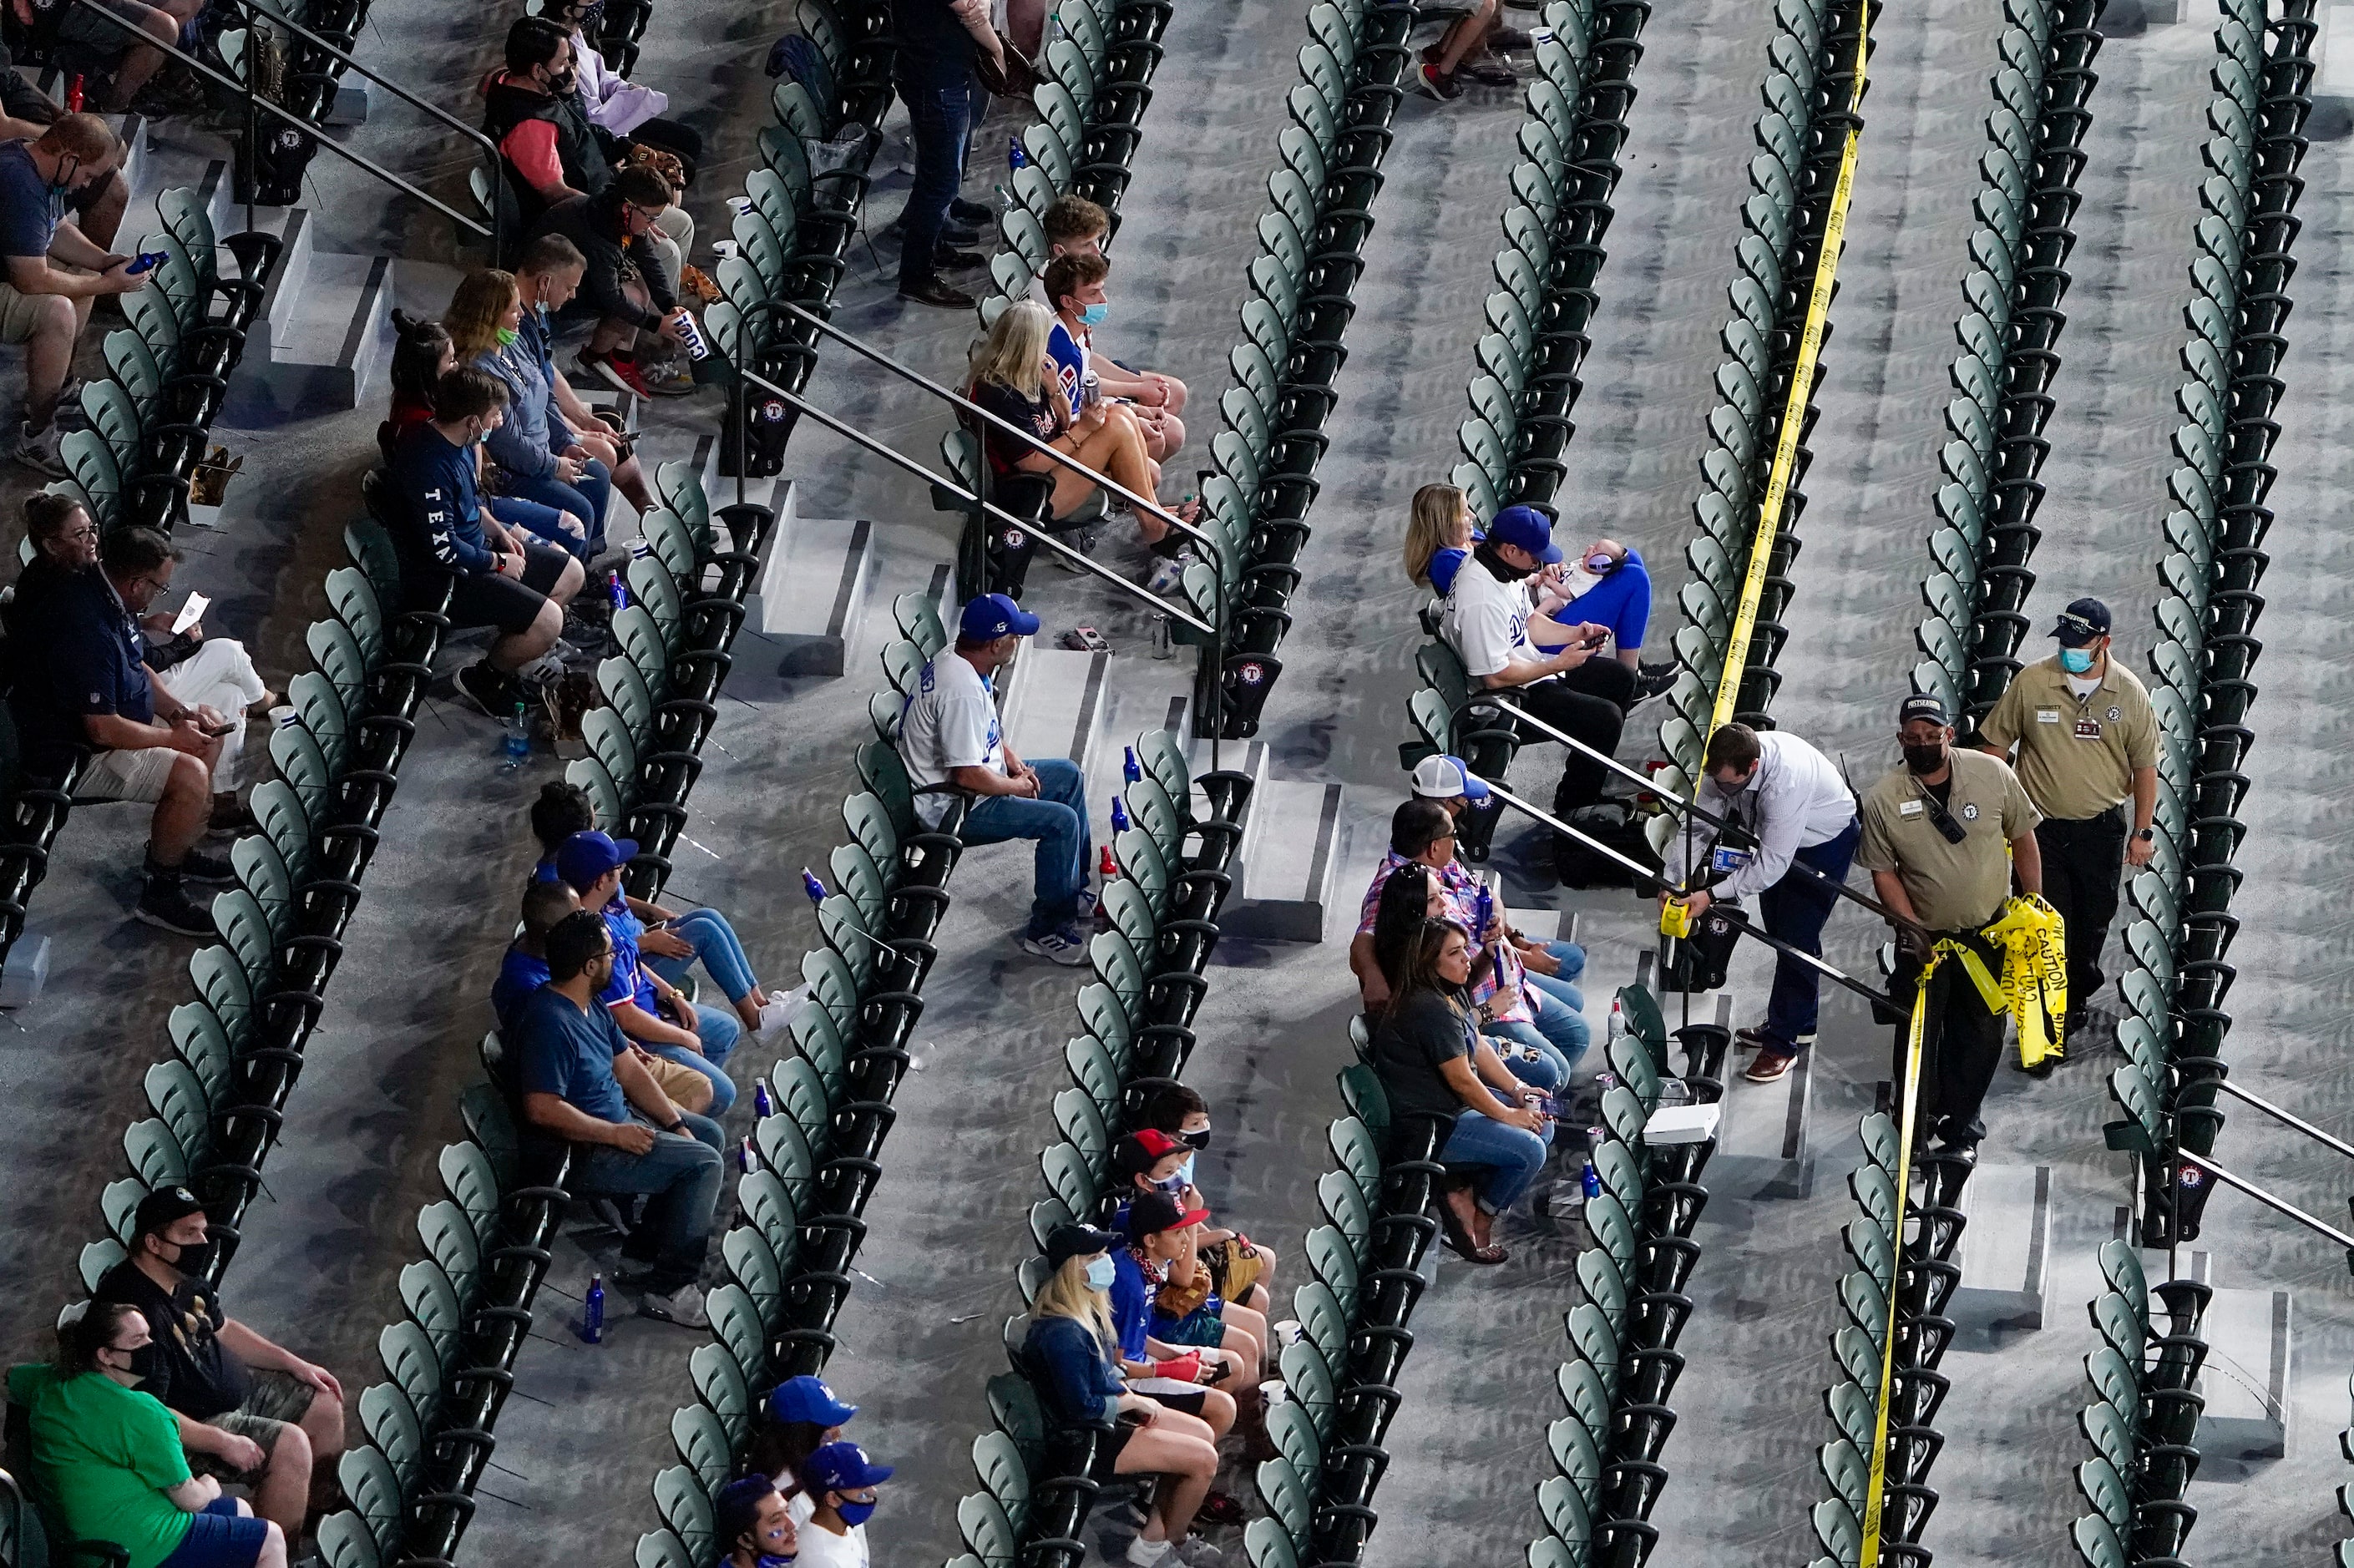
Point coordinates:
[[1444, 778]]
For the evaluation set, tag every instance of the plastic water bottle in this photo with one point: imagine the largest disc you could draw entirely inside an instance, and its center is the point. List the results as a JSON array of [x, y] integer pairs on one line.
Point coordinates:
[[1119, 818], [592, 1311], [745, 1159], [762, 1105], [1590, 1181], [1129, 768], [1016, 160], [1105, 866], [812, 886], [1617, 1027], [514, 742], [620, 593], [73, 93]]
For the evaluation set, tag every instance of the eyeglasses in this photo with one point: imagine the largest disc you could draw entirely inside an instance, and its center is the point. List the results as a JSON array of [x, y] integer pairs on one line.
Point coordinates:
[[87, 531], [154, 584]]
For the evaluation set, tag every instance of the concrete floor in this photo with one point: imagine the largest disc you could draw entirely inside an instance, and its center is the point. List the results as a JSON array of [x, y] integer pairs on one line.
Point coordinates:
[[919, 1336]]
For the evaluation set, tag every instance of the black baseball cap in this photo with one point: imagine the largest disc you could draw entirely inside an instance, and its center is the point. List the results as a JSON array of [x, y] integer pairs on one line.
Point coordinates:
[[1067, 1241], [163, 1206], [1922, 706], [2081, 623], [1154, 1212]]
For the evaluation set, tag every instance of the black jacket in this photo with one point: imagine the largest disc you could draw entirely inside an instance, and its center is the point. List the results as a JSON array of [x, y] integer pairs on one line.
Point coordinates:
[[593, 223], [588, 166]]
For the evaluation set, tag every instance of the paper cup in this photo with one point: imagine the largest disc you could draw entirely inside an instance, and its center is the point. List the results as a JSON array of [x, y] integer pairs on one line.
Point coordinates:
[[1289, 1333], [1274, 1392], [282, 716]]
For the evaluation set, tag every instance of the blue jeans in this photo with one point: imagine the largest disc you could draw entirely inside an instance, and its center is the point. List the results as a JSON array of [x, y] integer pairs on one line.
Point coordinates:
[[683, 1175], [1547, 1070], [1795, 909], [714, 942], [941, 121], [718, 1030], [1511, 1157], [1058, 818], [541, 522], [585, 499]]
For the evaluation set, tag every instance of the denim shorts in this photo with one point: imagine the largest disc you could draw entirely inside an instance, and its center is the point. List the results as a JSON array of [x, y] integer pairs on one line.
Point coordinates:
[[220, 1538]]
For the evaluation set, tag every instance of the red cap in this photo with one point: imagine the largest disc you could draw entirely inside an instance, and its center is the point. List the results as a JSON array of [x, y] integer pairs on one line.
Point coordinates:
[[1156, 1142]]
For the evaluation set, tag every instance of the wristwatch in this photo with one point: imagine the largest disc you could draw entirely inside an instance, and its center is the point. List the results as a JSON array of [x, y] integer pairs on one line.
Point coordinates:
[[679, 1126], [2147, 835]]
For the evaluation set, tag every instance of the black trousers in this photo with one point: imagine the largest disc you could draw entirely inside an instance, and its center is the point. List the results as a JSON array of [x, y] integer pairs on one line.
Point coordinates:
[[2082, 860], [1590, 702], [1961, 1042]]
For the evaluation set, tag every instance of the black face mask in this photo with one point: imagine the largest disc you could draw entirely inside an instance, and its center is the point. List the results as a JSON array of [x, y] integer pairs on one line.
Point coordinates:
[[1924, 760], [562, 86], [141, 1361], [1504, 570], [196, 1258], [1195, 1141]]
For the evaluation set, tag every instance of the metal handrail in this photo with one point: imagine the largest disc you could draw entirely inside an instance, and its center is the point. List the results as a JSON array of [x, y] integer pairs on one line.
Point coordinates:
[[1735, 916], [893, 455], [472, 132], [254, 103], [1689, 808], [2279, 1205], [1044, 448]]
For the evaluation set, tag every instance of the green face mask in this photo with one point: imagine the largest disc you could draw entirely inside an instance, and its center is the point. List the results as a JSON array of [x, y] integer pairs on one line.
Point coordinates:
[[507, 337]]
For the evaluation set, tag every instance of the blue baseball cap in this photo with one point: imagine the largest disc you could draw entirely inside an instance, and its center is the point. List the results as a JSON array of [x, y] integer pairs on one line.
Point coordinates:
[[806, 1398], [2085, 620], [1525, 528], [585, 857], [993, 616], [839, 1467], [1445, 778]]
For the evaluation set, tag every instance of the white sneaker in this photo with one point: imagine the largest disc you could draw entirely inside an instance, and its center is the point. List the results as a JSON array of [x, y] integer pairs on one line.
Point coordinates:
[[682, 1307], [38, 449], [1196, 1552], [784, 1006], [1143, 1553], [1057, 947]]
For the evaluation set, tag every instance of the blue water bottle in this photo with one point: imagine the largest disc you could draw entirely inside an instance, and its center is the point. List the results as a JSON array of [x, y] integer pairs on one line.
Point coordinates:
[[762, 1105], [514, 742], [745, 1157], [1016, 159], [1129, 768], [812, 886], [1120, 822], [621, 592], [592, 1311], [1591, 1181]]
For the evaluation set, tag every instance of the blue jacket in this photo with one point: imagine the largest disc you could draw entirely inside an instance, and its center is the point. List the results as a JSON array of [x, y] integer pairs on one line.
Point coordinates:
[[1078, 1382], [435, 479], [528, 442]]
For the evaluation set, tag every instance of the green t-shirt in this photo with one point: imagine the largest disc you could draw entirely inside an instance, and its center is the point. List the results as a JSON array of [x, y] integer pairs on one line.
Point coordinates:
[[108, 1454]]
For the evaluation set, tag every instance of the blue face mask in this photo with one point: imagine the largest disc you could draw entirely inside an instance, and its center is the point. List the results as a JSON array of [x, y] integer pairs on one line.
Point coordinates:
[[855, 1513], [1095, 314], [768, 1560], [2076, 661], [1100, 1273], [1186, 1172]]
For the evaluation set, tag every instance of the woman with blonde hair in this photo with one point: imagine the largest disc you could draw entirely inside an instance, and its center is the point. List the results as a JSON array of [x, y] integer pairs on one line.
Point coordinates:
[[1069, 1351], [1439, 535], [544, 474], [1011, 376]]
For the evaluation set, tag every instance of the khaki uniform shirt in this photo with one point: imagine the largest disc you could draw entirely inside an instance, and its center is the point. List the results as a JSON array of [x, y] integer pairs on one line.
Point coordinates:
[[2076, 756], [1954, 887]]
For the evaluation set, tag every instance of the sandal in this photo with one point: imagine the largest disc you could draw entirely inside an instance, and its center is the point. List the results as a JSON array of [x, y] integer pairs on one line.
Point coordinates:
[[1220, 1508], [1459, 1240]]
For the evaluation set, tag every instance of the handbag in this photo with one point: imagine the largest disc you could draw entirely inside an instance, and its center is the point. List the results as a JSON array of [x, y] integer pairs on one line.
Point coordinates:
[[1014, 78]]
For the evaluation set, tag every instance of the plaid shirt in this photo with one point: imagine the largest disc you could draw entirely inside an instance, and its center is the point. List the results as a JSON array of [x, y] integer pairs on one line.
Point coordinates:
[[1462, 891]]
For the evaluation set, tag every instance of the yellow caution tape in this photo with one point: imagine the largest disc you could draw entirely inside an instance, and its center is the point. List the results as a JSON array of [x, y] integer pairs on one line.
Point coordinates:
[[1794, 412], [2033, 937]]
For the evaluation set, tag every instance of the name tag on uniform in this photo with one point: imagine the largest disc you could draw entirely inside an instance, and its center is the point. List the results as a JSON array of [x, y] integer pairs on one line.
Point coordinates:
[[2047, 716], [2088, 729], [1908, 808]]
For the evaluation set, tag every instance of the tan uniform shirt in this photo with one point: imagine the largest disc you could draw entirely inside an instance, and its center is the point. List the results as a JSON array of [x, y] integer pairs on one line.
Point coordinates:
[[2077, 757], [1954, 887]]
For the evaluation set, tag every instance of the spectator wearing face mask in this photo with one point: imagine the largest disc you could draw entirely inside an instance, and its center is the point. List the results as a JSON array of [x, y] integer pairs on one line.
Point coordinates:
[[1069, 1353], [1074, 292], [1241, 1270], [1171, 1345], [108, 1452], [801, 1416], [841, 1481], [249, 1412], [445, 530], [752, 1525]]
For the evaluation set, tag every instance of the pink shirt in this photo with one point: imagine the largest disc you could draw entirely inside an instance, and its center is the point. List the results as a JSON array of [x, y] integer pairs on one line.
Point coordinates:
[[1462, 891]]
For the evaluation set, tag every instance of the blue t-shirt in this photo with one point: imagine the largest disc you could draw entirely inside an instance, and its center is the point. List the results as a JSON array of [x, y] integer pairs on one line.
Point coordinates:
[[1131, 1303], [29, 210], [630, 982], [92, 664], [563, 1051], [1443, 565], [1070, 357], [1621, 602], [520, 974], [435, 479], [544, 871]]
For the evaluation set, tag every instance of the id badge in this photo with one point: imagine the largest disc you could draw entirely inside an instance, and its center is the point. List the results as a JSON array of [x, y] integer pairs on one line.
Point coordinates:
[[1727, 861], [2088, 729]]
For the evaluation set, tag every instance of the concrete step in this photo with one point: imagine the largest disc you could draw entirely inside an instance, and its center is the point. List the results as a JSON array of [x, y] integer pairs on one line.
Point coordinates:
[[815, 587], [1053, 705], [1287, 860], [2006, 1253], [2246, 1380]]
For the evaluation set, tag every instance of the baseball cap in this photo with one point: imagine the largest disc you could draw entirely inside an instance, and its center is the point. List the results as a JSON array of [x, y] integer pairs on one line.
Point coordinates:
[[1525, 528], [993, 616], [1154, 1212], [2081, 622], [1134, 1154], [1445, 778], [839, 1467], [806, 1398], [585, 857], [1067, 1241], [1922, 706], [163, 1206]]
